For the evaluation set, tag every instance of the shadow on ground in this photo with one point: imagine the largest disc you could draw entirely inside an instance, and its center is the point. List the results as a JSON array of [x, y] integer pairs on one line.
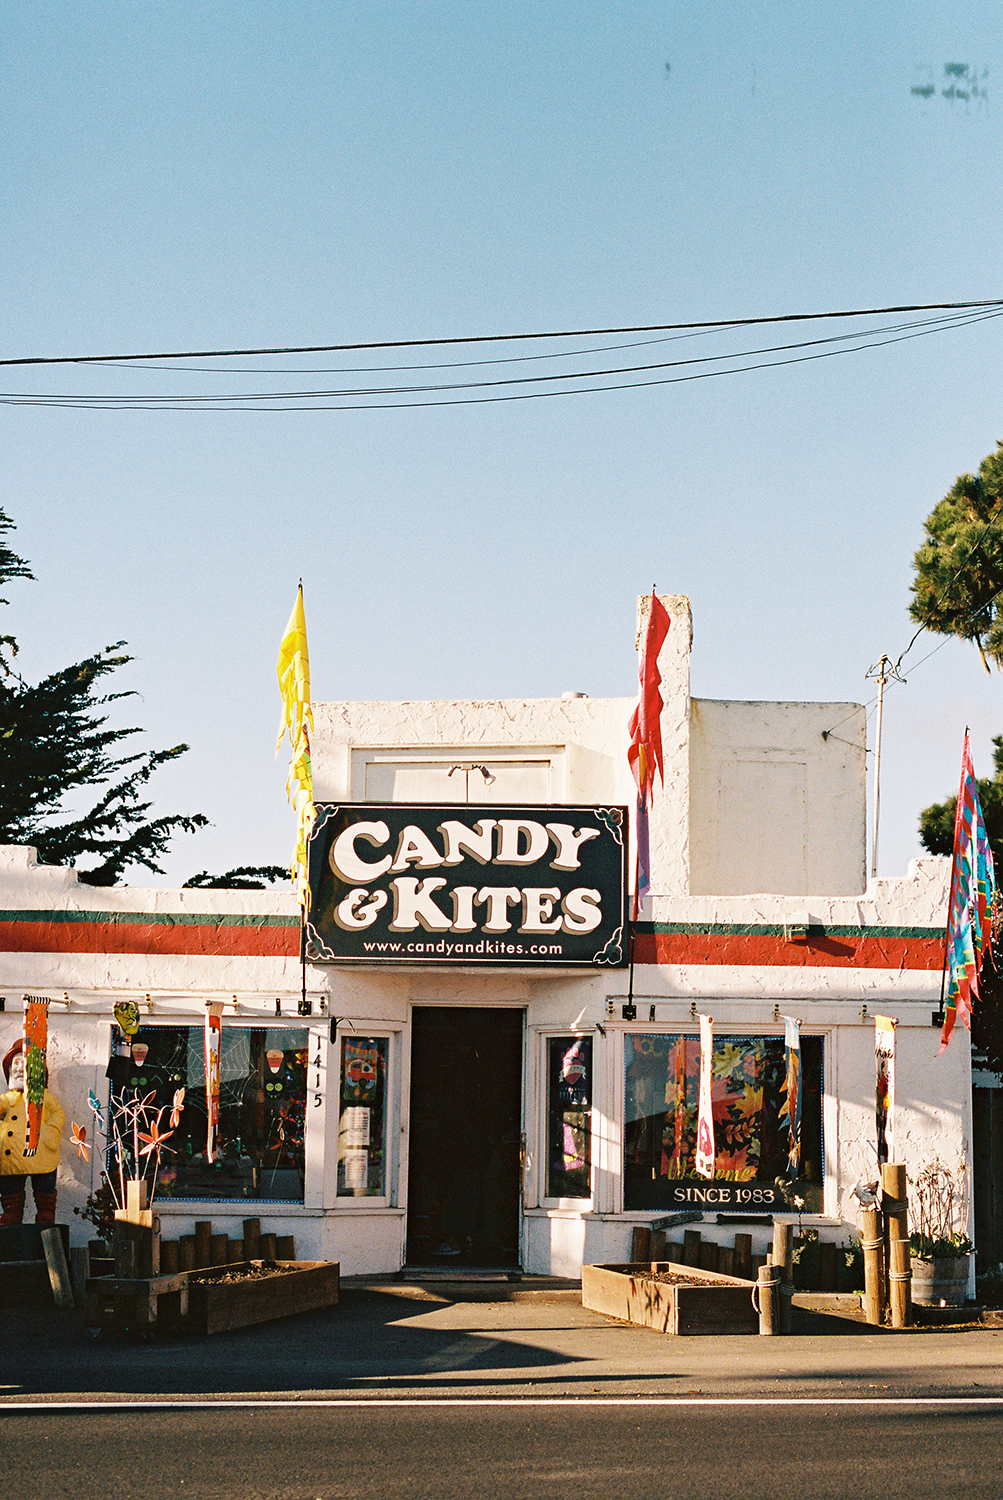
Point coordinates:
[[370, 1341]]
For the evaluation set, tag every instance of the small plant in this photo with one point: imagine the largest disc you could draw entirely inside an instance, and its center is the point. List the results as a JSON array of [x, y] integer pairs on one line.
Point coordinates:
[[940, 1212], [99, 1210]]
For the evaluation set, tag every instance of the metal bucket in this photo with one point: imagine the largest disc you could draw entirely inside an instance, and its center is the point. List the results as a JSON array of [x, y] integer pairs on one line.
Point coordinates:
[[940, 1283]]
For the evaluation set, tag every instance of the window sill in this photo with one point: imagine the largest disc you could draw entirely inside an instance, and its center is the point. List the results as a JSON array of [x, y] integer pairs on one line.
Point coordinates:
[[227, 1208]]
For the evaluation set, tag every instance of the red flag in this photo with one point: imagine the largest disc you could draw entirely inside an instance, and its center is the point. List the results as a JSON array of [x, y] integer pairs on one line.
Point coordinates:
[[645, 753]]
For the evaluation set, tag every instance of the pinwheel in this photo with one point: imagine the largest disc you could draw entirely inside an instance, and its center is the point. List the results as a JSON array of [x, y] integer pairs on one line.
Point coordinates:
[[154, 1137], [79, 1139], [95, 1104], [177, 1107]]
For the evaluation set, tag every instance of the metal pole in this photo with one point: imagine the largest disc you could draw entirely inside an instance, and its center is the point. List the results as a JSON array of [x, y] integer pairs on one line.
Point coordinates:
[[885, 671], [882, 679]]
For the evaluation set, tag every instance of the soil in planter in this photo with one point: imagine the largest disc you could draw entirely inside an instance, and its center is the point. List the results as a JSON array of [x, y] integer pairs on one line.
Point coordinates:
[[251, 1273], [674, 1278]]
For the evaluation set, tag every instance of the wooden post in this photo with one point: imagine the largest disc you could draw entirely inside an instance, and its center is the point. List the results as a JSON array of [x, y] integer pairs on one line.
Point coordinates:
[[640, 1245], [285, 1247], [252, 1239], [170, 1257], [725, 1260], [203, 1243], [743, 1256], [899, 1278], [783, 1260], [708, 1255], [872, 1245], [895, 1206], [186, 1252], [125, 1259], [59, 1271], [136, 1196], [235, 1253], [80, 1270], [657, 1244], [766, 1297], [691, 1247], [218, 1249]]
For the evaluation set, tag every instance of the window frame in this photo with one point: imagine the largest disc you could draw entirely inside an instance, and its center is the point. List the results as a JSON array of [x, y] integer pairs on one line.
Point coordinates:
[[367, 1202], [543, 1200], [313, 1133], [827, 1033]]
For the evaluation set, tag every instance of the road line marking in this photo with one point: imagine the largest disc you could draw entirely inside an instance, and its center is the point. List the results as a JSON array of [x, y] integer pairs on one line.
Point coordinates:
[[384, 1402]]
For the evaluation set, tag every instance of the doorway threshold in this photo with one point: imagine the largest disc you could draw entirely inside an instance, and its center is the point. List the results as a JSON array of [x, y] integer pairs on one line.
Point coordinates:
[[460, 1273]]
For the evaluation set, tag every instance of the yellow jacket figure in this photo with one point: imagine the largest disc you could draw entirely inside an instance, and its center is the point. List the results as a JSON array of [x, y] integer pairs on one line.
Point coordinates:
[[15, 1167]]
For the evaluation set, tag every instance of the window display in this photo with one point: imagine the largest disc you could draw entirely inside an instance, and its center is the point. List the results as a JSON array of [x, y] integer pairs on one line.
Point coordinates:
[[569, 1117], [258, 1151], [362, 1123], [751, 1135]]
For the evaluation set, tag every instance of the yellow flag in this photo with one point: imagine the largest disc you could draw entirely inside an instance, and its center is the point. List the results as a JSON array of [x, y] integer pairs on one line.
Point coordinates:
[[294, 675], [297, 721]]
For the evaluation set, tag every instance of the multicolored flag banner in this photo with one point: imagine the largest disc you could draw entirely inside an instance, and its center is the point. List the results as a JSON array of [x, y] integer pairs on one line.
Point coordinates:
[[36, 1043], [213, 1039], [970, 904], [293, 670], [884, 1086], [644, 754], [792, 1104], [705, 1116]]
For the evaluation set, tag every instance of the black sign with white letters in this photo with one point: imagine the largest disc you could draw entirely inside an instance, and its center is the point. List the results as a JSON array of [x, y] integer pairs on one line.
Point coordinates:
[[458, 885]]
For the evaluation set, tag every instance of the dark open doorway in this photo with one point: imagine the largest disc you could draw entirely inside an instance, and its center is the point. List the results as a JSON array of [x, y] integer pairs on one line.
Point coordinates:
[[465, 1132]]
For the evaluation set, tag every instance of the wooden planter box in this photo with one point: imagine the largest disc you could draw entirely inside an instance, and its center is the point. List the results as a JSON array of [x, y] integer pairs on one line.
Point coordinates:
[[216, 1305], [711, 1303]]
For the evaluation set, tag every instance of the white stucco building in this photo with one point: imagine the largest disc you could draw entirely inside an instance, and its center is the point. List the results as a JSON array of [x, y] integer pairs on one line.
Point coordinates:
[[415, 1100]]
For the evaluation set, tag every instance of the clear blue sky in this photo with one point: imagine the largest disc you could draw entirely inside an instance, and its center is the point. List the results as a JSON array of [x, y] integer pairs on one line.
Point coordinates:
[[186, 176]]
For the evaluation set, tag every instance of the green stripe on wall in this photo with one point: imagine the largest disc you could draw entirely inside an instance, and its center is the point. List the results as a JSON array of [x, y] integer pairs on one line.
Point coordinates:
[[778, 929], [153, 919]]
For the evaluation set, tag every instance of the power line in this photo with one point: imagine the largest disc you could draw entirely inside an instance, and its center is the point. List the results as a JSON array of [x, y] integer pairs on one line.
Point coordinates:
[[495, 338], [230, 402]]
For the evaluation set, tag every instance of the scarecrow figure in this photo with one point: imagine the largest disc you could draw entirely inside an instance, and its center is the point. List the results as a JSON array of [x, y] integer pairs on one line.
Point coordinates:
[[15, 1165]]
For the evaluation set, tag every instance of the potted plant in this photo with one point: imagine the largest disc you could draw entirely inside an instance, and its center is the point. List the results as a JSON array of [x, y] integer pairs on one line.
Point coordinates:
[[941, 1249]]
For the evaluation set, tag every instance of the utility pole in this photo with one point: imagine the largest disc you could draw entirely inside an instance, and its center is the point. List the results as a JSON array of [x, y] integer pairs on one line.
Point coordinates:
[[885, 671]]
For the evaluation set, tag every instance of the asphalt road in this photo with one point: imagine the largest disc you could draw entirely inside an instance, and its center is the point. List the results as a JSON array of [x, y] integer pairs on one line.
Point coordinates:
[[397, 1394], [517, 1451]]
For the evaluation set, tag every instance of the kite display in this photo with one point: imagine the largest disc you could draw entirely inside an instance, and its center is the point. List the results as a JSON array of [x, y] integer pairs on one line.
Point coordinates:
[[36, 1036], [644, 755], [705, 1116], [792, 1107], [970, 905], [213, 1037], [884, 1090], [293, 670]]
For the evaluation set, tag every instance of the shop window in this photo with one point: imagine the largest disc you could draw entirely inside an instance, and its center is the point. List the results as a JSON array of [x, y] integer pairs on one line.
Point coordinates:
[[259, 1144], [362, 1165], [569, 1117], [751, 1138]]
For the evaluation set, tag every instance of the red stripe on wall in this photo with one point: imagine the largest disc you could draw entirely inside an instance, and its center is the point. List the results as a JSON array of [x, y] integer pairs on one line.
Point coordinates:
[[209, 941], [225, 940], [868, 951]]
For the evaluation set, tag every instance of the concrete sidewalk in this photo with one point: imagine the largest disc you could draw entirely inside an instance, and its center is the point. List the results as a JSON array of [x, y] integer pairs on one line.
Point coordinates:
[[529, 1337]]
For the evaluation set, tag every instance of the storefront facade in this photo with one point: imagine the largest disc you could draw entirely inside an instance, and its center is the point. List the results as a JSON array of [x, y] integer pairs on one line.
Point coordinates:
[[462, 1073]]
